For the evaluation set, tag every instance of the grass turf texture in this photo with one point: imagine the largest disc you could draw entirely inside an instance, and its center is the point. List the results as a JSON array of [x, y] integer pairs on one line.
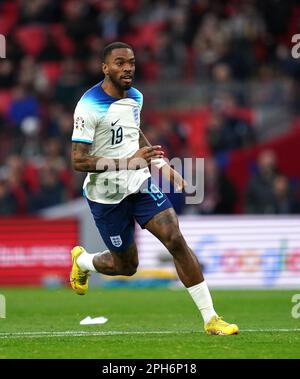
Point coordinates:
[[157, 323]]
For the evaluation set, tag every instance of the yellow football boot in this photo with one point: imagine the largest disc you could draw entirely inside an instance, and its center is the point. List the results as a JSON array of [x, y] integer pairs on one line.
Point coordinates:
[[216, 325], [79, 279]]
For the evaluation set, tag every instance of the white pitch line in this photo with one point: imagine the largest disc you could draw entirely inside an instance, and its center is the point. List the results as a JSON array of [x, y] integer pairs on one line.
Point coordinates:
[[74, 333], [86, 334]]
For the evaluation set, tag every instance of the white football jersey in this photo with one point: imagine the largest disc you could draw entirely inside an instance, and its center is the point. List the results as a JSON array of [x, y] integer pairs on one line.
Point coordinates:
[[111, 127]]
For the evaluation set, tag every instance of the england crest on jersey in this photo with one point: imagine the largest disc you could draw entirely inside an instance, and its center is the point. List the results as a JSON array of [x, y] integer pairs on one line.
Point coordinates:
[[136, 115], [116, 240]]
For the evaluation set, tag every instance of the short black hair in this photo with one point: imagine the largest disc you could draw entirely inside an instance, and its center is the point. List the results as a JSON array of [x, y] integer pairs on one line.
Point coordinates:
[[112, 46]]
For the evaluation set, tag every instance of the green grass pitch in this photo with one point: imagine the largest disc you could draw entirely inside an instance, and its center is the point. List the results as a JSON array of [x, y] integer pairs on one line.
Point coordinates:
[[145, 323]]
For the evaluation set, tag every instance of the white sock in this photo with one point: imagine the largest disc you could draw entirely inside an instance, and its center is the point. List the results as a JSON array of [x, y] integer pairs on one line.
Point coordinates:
[[85, 261], [201, 296]]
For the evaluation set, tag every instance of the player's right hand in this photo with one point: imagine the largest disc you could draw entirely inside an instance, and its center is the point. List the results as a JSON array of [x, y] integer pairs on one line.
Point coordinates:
[[142, 158]]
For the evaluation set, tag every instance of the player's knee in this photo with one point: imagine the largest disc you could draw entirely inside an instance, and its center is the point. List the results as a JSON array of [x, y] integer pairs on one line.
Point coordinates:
[[175, 241]]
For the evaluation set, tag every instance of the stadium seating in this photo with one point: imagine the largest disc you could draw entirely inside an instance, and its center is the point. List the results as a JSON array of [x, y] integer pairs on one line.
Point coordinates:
[[28, 30], [31, 38], [51, 70], [5, 100]]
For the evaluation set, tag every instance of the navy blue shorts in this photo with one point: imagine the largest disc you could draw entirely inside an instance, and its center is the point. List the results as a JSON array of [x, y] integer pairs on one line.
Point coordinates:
[[115, 222]]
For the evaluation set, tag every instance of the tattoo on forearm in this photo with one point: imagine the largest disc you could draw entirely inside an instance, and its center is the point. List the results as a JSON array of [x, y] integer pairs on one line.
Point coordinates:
[[143, 142], [84, 162]]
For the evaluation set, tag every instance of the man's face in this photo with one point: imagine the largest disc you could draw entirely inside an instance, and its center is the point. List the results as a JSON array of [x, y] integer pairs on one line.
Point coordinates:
[[120, 67]]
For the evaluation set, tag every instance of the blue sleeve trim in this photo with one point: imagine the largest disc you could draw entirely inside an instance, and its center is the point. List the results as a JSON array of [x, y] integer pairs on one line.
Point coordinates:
[[135, 94], [82, 140]]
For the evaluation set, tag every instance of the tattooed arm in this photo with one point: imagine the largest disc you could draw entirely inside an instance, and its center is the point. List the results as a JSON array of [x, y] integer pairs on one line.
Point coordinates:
[[84, 162], [142, 141], [81, 160]]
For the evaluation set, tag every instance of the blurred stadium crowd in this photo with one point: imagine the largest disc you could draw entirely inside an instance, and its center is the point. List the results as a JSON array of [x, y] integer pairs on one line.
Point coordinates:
[[53, 55]]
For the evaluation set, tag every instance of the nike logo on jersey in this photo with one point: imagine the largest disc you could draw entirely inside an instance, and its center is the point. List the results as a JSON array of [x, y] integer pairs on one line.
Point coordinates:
[[114, 123], [159, 204]]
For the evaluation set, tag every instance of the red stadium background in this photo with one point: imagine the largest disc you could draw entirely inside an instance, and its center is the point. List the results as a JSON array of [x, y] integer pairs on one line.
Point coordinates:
[[39, 258]]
